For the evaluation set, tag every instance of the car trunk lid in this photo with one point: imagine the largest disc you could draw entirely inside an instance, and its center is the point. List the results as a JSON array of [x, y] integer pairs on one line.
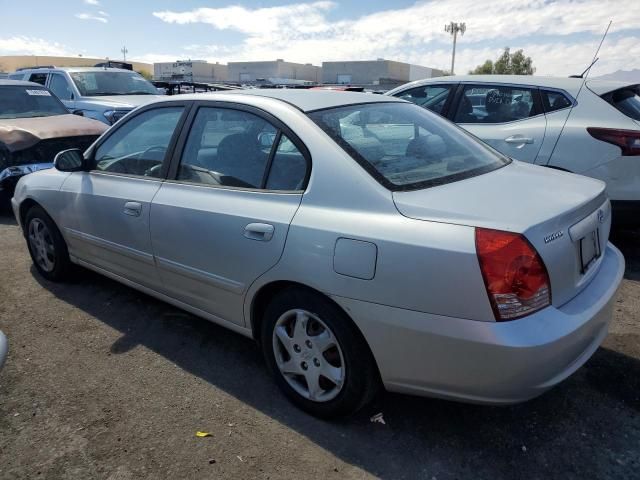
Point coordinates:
[[566, 217]]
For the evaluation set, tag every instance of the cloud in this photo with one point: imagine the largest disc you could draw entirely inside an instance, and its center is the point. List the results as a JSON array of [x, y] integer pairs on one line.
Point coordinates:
[[23, 45], [103, 13], [92, 2], [88, 16], [303, 32]]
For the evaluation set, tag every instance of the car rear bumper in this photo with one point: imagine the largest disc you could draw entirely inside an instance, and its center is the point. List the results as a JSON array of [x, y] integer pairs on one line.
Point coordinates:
[[4, 348], [489, 362]]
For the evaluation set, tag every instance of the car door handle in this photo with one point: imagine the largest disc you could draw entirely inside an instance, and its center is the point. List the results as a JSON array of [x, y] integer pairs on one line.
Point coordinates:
[[259, 231], [132, 208], [518, 139]]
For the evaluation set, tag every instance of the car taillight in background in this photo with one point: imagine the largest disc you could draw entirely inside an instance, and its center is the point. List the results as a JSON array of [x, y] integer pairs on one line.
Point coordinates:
[[515, 276], [627, 140]]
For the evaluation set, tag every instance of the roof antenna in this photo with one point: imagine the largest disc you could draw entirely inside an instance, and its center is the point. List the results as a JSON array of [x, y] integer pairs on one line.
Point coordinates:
[[586, 70], [584, 76]]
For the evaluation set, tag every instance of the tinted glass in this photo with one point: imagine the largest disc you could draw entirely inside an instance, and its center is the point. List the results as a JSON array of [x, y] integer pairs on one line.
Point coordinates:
[[110, 82], [432, 97], [405, 146], [627, 100], [25, 102], [227, 147], [40, 78], [59, 86], [139, 146], [288, 169], [553, 101], [495, 104]]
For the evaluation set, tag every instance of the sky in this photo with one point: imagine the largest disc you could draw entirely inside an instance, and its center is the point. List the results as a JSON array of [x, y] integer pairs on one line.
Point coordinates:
[[561, 36]]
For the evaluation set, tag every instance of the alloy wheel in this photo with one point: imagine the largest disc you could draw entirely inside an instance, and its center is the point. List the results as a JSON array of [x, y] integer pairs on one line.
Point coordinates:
[[41, 244], [308, 355]]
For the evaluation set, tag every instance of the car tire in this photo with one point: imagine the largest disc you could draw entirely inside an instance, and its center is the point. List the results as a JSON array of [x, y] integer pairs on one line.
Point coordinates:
[[327, 342], [47, 248]]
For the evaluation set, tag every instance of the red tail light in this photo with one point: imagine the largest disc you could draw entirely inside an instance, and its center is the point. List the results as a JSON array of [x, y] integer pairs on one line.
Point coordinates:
[[515, 276], [627, 140]]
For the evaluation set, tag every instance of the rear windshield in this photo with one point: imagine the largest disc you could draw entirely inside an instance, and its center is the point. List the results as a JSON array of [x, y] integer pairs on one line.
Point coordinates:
[[406, 147], [27, 102], [626, 100]]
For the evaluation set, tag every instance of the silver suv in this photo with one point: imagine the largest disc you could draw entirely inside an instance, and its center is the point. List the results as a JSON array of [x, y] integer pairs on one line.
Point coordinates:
[[105, 94]]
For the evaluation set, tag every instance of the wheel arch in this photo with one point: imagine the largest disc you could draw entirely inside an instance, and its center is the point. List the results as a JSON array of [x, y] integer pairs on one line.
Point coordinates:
[[25, 206], [266, 292]]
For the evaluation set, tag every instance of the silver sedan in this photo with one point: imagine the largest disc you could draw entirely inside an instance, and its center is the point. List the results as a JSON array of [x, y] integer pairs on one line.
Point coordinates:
[[363, 241]]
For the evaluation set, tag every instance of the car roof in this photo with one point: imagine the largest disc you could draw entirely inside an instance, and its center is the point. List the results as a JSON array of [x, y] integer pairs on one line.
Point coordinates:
[[75, 69], [569, 84], [303, 99], [19, 83]]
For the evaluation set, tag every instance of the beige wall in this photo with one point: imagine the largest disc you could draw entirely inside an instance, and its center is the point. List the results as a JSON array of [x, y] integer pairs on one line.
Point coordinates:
[[10, 63]]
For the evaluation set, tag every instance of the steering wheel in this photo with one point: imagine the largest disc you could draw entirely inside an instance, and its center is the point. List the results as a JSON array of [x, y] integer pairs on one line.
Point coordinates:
[[151, 154]]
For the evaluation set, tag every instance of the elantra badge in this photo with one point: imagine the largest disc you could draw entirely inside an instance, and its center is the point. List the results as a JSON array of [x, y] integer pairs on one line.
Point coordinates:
[[553, 236]]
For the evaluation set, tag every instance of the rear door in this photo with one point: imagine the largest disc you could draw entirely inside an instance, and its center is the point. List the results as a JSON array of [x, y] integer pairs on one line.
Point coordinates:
[[509, 118], [108, 208], [221, 219]]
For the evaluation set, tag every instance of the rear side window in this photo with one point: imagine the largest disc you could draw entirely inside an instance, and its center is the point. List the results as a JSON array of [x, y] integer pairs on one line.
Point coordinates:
[[405, 147], [433, 97], [626, 100], [495, 104], [235, 148], [40, 78], [552, 100]]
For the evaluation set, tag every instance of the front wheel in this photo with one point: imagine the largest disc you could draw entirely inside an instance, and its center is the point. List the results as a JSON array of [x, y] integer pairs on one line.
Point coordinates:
[[317, 355], [47, 247]]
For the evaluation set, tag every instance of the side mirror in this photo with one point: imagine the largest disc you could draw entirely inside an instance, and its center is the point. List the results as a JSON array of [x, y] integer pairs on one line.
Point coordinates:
[[80, 113], [70, 160]]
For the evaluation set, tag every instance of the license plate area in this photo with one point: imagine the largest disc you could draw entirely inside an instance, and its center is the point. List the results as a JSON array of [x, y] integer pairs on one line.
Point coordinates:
[[589, 250]]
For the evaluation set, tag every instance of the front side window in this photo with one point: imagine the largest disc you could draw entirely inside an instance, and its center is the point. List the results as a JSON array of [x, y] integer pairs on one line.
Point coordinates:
[[58, 85], [432, 97], [235, 148], [110, 82], [139, 146], [552, 100], [404, 146], [495, 104], [27, 102]]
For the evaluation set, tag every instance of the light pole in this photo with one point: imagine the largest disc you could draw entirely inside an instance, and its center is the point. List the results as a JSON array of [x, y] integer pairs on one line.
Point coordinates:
[[124, 53], [453, 28]]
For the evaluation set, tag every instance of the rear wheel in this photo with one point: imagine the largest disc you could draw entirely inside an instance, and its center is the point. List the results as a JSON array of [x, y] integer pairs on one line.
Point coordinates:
[[47, 247], [317, 355]]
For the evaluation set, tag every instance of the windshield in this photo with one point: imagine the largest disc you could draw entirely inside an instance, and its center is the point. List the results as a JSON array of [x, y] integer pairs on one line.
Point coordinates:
[[27, 102], [406, 147], [110, 82]]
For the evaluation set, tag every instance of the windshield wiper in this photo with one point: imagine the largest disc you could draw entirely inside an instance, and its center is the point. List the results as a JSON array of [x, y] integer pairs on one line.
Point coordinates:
[[139, 92]]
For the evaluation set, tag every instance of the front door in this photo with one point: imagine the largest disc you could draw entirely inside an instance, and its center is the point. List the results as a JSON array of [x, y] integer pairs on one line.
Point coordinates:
[[108, 207], [223, 219], [508, 118]]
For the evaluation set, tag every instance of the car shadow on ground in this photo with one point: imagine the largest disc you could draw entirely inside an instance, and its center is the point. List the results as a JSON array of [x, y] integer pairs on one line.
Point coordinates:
[[587, 427]]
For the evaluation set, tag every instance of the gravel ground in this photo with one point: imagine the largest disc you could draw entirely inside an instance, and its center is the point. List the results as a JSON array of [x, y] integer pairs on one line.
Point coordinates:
[[105, 382]]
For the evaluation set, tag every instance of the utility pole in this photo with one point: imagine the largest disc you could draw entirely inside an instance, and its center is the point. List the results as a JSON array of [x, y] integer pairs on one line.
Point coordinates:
[[124, 53], [453, 28]]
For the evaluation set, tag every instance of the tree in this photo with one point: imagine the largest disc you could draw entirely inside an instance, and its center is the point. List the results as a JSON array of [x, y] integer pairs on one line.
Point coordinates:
[[507, 64]]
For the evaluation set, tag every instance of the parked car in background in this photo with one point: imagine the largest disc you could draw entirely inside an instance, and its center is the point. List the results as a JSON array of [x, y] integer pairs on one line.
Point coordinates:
[[105, 94], [4, 348], [360, 239], [525, 117], [34, 127]]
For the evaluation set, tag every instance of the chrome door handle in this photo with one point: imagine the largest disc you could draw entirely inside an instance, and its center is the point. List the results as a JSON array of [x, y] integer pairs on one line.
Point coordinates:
[[132, 208], [518, 139], [259, 231]]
